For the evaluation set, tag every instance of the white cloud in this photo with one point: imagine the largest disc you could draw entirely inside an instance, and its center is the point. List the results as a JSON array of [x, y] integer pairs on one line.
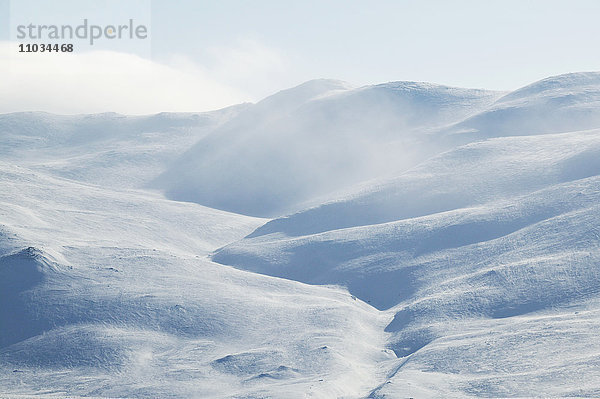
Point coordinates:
[[251, 66], [103, 81]]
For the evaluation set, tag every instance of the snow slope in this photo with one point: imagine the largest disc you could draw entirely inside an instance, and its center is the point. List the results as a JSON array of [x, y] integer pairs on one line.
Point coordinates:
[[505, 229], [557, 104], [465, 176], [489, 208], [106, 149], [110, 293]]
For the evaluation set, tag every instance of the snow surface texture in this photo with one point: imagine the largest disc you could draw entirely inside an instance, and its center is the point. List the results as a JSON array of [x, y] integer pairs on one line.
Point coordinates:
[[445, 243]]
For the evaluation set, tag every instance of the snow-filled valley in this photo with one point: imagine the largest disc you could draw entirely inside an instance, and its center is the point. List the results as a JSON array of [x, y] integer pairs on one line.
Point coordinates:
[[330, 241]]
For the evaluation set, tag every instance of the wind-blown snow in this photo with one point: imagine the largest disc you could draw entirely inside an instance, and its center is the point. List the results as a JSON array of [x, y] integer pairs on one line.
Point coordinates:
[[280, 154]]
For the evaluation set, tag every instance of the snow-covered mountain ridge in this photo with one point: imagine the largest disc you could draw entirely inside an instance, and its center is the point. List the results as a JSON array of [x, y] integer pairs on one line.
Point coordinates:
[[397, 240]]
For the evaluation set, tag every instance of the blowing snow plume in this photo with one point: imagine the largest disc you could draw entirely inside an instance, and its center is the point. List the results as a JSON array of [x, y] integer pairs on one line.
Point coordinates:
[[312, 140]]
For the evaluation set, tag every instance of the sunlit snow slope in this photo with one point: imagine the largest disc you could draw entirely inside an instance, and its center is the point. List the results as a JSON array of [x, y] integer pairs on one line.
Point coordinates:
[[110, 293]]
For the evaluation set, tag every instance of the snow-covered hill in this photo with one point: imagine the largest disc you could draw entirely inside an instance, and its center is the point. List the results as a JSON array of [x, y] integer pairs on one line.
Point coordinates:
[[512, 251], [557, 104], [309, 141], [440, 242], [280, 154], [465, 176], [497, 230], [110, 293], [107, 149]]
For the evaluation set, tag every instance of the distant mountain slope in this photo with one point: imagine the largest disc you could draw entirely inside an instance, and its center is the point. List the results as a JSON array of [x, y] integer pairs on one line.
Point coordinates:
[[308, 141], [469, 196], [557, 104], [106, 149], [466, 176]]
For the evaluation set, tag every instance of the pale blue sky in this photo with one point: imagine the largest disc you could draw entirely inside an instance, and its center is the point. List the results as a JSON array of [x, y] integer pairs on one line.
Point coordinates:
[[493, 44], [254, 48]]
